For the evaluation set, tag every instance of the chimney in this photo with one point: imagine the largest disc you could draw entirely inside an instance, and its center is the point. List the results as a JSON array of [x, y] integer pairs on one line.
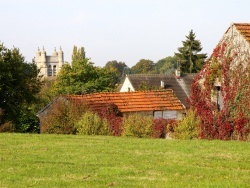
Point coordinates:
[[177, 73], [162, 84]]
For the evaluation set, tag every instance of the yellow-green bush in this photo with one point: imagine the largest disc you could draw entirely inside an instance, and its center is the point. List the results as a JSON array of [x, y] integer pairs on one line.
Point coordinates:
[[188, 128], [91, 124], [137, 125]]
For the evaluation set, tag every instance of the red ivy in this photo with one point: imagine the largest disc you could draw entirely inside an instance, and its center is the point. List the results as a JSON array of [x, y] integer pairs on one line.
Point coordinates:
[[232, 122]]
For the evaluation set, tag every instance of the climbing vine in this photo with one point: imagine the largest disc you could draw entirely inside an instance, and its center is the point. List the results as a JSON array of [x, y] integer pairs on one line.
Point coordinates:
[[232, 121]]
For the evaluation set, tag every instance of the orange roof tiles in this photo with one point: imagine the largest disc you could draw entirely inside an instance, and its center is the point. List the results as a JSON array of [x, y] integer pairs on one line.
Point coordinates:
[[244, 29], [132, 101]]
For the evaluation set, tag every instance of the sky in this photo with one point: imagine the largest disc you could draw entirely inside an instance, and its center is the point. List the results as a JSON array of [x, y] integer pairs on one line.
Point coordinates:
[[122, 30]]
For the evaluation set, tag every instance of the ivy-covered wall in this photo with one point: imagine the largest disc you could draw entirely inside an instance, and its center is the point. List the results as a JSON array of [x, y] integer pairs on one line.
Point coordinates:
[[230, 67]]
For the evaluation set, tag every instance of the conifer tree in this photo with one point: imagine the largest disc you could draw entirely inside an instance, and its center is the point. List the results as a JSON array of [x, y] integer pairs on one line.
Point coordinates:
[[189, 58]]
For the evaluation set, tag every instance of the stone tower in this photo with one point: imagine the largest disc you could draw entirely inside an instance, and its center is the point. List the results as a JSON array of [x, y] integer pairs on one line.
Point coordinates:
[[49, 66]]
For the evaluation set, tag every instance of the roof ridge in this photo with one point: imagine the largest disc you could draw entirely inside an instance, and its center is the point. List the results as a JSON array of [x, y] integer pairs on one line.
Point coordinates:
[[120, 93], [148, 75], [241, 23]]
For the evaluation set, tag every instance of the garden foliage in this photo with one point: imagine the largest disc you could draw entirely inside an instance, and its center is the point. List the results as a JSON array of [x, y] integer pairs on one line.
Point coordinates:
[[159, 128], [61, 119], [137, 125], [91, 124], [188, 128], [113, 116]]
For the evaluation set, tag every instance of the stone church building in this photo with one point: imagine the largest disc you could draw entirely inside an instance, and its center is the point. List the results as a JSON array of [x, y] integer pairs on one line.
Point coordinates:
[[49, 66]]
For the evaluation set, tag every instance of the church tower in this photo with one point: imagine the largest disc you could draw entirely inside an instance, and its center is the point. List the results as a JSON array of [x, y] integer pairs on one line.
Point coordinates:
[[49, 66]]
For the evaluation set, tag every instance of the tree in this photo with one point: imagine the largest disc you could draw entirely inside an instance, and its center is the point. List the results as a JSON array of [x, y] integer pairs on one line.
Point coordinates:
[[82, 77], [117, 68], [189, 58], [78, 54], [166, 65], [18, 85], [144, 66]]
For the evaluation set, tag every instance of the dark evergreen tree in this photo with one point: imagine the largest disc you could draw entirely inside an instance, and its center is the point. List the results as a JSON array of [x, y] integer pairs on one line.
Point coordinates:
[[189, 58]]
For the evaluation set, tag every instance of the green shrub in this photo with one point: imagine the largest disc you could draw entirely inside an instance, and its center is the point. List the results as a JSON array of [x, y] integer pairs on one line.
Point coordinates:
[[137, 125], [61, 119], [27, 121], [188, 128], [91, 124]]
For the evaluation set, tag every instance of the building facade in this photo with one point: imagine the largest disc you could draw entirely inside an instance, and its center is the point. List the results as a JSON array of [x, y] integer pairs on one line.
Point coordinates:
[[49, 66]]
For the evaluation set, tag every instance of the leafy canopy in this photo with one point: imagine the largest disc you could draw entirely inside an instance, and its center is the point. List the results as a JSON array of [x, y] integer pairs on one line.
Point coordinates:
[[144, 66], [166, 65], [82, 76], [18, 84], [119, 69]]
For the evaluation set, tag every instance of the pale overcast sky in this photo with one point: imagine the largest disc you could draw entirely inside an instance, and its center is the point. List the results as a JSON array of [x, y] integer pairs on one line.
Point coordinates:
[[122, 30]]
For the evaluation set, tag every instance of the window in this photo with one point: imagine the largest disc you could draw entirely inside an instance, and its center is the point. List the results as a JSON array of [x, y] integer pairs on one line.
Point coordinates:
[[49, 70], [54, 70], [165, 114]]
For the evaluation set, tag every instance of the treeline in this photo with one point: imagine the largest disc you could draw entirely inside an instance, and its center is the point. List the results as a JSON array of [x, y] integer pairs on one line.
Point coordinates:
[[22, 94]]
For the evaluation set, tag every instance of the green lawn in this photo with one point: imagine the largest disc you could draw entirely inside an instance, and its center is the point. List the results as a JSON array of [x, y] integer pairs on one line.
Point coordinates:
[[29, 160]]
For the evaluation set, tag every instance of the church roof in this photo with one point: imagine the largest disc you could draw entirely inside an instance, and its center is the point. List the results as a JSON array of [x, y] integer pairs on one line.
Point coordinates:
[[131, 101]]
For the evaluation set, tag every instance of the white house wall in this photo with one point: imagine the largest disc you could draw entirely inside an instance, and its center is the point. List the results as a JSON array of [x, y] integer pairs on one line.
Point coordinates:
[[237, 44], [127, 86]]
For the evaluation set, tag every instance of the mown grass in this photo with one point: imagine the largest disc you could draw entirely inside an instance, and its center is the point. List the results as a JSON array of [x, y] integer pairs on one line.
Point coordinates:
[[29, 160]]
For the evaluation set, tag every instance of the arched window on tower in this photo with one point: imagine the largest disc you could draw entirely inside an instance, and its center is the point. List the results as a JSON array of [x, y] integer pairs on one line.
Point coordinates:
[[49, 70], [54, 70]]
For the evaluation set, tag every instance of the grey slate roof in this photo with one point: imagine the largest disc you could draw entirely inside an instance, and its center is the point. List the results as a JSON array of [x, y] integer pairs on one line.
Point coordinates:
[[181, 86]]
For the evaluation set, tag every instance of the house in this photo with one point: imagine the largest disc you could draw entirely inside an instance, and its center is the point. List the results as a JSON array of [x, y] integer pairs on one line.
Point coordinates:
[[158, 104], [236, 41], [220, 91], [180, 84]]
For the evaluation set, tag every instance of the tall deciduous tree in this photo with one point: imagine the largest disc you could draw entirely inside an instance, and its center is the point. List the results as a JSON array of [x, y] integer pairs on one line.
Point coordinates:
[[82, 77], [144, 66], [18, 84], [78, 54], [117, 68], [189, 58], [166, 65]]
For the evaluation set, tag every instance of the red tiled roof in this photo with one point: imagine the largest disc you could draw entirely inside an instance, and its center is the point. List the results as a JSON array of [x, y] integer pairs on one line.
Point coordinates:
[[170, 82], [132, 101], [244, 29]]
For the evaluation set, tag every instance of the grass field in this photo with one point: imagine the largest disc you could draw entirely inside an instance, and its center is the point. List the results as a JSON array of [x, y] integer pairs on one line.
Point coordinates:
[[29, 160]]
